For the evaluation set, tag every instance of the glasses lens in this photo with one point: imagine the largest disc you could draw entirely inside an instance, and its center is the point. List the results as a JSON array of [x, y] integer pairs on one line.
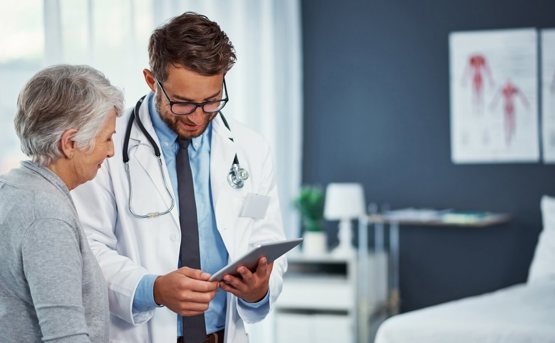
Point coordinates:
[[214, 106], [183, 108]]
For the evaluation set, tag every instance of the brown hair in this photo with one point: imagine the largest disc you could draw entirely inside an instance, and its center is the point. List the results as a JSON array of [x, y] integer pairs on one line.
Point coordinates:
[[192, 41]]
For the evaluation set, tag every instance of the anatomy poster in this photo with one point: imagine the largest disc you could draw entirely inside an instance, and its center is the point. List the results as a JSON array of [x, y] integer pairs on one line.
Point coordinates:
[[548, 94], [494, 114]]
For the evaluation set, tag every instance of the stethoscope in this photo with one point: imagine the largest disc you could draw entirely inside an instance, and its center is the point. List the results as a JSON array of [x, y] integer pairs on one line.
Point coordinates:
[[236, 176]]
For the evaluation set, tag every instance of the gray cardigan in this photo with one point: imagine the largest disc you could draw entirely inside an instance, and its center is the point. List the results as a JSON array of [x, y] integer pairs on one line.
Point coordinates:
[[51, 287]]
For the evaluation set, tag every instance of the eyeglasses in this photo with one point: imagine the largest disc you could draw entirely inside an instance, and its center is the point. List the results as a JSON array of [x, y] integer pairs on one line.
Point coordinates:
[[188, 107]]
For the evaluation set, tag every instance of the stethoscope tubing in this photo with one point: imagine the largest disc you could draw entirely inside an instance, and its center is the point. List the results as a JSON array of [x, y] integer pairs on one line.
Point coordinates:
[[236, 176]]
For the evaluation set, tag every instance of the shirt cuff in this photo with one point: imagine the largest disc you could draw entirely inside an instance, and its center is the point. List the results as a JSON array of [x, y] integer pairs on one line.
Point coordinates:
[[259, 304], [144, 295]]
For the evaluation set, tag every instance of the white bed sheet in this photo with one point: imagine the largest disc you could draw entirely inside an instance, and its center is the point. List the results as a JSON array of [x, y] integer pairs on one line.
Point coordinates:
[[517, 314]]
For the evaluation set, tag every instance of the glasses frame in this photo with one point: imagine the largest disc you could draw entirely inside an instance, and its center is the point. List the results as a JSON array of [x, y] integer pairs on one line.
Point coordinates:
[[196, 104]]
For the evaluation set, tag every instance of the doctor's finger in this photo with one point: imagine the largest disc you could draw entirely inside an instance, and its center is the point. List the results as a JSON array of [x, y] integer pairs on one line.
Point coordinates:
[[188, 284], [228, 288], [235, 282], [264, 268], [196, 297], [194, 273], [192, 309], [246, 274], [188, 313]]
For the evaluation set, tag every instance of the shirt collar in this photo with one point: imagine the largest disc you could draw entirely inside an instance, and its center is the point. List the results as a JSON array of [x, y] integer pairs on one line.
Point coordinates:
[[166, 134]]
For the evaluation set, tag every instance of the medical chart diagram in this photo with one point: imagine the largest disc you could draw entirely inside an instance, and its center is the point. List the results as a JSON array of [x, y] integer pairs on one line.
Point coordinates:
[[548, 94], [509, 93], [477, 69], [493, 84]]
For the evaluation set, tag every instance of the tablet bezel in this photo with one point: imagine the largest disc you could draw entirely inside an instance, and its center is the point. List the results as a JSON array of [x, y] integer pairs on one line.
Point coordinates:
[[272, 251]]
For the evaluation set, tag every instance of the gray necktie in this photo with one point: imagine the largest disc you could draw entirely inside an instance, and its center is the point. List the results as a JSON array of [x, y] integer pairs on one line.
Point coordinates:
[[194, 329]]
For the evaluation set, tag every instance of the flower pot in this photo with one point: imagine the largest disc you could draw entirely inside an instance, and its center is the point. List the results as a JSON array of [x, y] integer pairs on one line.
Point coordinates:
[[315, 243]]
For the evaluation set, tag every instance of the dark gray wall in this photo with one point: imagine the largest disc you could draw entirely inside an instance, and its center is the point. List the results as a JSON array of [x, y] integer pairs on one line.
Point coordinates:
[[376, 106]]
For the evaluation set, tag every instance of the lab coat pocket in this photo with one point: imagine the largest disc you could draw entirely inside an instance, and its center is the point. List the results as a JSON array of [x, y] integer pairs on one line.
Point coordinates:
[[255, 206]]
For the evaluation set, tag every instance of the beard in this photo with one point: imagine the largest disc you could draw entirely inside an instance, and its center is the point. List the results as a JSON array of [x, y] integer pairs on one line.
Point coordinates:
[[178, 123]]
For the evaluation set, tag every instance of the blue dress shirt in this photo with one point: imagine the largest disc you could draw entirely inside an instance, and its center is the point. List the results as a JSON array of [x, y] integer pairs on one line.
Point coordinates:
[[213, 253]]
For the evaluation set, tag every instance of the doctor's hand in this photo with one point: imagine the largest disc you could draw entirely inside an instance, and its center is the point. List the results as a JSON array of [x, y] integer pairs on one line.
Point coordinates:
[[185, 291], [249, 286]]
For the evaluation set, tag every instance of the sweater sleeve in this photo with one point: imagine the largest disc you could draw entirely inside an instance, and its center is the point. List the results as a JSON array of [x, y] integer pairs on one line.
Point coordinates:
[[53, 267]]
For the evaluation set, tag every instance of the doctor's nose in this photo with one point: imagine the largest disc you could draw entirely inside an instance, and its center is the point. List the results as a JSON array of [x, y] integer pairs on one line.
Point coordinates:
[[198, 115]]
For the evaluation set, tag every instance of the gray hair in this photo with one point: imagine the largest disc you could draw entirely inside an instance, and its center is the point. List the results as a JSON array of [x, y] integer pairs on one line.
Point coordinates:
[[59, 98]]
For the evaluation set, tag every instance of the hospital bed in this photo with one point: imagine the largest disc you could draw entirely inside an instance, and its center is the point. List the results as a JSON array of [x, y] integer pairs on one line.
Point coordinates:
[[517, 314]]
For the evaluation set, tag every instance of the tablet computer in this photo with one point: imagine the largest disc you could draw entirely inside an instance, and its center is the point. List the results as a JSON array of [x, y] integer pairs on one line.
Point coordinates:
[[271, 250]]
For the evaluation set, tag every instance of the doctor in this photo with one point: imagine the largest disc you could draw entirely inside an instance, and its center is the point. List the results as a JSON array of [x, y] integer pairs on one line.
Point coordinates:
[[175, 204]]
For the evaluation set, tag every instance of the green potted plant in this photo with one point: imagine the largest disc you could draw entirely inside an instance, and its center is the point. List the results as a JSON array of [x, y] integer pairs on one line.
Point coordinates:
[[310, 204]]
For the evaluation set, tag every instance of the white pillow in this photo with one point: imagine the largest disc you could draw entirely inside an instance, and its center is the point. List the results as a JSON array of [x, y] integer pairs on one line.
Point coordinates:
[[543, 264]]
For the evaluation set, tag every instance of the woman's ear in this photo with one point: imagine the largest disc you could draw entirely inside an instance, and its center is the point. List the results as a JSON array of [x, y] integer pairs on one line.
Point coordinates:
[[67, 144]]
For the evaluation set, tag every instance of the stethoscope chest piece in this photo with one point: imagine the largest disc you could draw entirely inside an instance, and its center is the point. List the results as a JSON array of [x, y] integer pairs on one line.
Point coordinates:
[[237, 176]]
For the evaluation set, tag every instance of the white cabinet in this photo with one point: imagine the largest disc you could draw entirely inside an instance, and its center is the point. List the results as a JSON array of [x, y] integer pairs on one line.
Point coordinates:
[[322, 302], [317, 327]]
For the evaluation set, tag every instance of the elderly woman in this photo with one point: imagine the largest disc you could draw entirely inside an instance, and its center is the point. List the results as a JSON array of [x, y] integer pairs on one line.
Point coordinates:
[[51, 287]]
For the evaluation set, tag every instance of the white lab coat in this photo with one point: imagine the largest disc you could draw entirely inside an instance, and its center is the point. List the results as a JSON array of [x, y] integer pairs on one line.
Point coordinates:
[[128, 247]]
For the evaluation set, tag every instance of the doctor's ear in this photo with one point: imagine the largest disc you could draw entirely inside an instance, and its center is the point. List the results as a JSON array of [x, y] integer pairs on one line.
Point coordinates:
[[150, 79], [67, 144]]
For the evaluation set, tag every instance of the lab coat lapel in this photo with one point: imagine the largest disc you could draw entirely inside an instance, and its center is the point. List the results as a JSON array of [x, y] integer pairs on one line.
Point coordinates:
[[144, 155], [222, 153]]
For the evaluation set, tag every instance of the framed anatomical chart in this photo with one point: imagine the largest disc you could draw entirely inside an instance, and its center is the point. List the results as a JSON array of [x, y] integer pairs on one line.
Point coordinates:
[[493, 85]]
